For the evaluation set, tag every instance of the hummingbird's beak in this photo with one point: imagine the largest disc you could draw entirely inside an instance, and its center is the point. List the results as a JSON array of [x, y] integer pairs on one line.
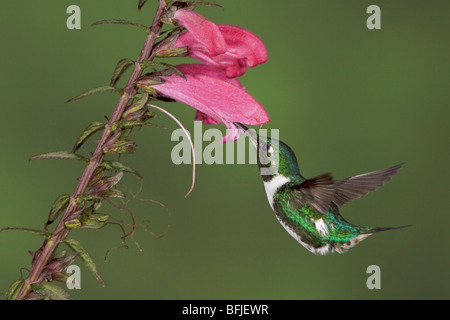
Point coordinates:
[[249, 132]]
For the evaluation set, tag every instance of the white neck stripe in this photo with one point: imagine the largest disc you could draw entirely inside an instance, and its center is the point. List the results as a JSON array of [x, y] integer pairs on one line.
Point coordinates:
[[274, 185]]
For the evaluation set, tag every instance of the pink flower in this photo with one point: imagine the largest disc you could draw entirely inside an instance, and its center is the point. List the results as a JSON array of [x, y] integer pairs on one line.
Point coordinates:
[[227, 47], [216, 97], [212, 88]]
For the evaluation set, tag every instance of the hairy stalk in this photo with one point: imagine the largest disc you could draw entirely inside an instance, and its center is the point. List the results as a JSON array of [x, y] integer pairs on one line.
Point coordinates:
[[44, 253]]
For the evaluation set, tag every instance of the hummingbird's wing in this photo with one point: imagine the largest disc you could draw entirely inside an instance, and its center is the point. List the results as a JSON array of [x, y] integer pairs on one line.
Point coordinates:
[[317, 192], [360, 185]]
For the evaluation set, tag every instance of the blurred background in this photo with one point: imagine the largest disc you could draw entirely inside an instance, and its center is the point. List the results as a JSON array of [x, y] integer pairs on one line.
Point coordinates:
[[347, 99]]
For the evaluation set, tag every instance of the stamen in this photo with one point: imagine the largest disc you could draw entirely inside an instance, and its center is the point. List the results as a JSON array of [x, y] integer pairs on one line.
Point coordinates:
[[190, 142]]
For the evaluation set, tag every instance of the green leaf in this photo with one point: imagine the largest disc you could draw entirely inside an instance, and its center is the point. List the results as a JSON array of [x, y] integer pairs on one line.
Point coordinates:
[[172, 52], [100, 217], [113, 193], [147, 63], [125, 22], [127, 124], [61, 277], [85, 257], [87, 133], [14, 289], [115, 165], [137, 109], [104, 194], [59, 255], [149, 115], [50, 290], [59, 155], [105, 184], [120, 69], [139, 96], [94, 91], [38, 232], [59, 205], [73, 223], [146, 85], [94, 221], [81, 198], [121, 146], [170, 33], [88, 221]]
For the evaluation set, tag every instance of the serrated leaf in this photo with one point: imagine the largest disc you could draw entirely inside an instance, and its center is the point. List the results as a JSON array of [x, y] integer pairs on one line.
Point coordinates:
[[50, 290], [59, 205], [127, 124], [14, 289], [120, 69], [125, 22], [94, 91], [87, 133], [115, 165], [38, 232], [147, 63], [85, 257], [59, 155]]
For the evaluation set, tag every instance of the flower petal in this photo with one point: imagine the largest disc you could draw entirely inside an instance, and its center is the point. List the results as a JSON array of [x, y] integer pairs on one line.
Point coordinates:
[[200, 116], [233, 133], [243, 44], [208, 90], [203, 31], [243, 49]]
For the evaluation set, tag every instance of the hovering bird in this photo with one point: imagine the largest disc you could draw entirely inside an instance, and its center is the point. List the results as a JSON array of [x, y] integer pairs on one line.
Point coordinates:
[[309, 208]]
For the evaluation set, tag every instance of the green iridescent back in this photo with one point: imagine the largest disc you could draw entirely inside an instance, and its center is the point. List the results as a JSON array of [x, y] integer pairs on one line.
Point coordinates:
[[303, 222]]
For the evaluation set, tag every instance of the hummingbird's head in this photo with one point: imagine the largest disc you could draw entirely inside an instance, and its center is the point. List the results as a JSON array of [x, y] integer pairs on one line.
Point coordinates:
[[274, 157]]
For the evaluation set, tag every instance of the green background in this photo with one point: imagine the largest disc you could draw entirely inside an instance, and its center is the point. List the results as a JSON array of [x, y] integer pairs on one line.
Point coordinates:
[[347, 99]]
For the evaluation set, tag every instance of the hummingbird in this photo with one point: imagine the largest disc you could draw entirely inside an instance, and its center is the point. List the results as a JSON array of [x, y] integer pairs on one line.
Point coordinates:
[[309, 208]]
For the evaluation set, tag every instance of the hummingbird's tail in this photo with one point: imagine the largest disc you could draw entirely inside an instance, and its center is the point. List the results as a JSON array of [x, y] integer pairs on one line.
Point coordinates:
[[363, 233], [366, 230]]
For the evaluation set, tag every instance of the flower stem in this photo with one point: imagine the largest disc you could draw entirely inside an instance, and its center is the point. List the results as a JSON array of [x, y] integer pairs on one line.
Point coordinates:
[[44, 253]]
